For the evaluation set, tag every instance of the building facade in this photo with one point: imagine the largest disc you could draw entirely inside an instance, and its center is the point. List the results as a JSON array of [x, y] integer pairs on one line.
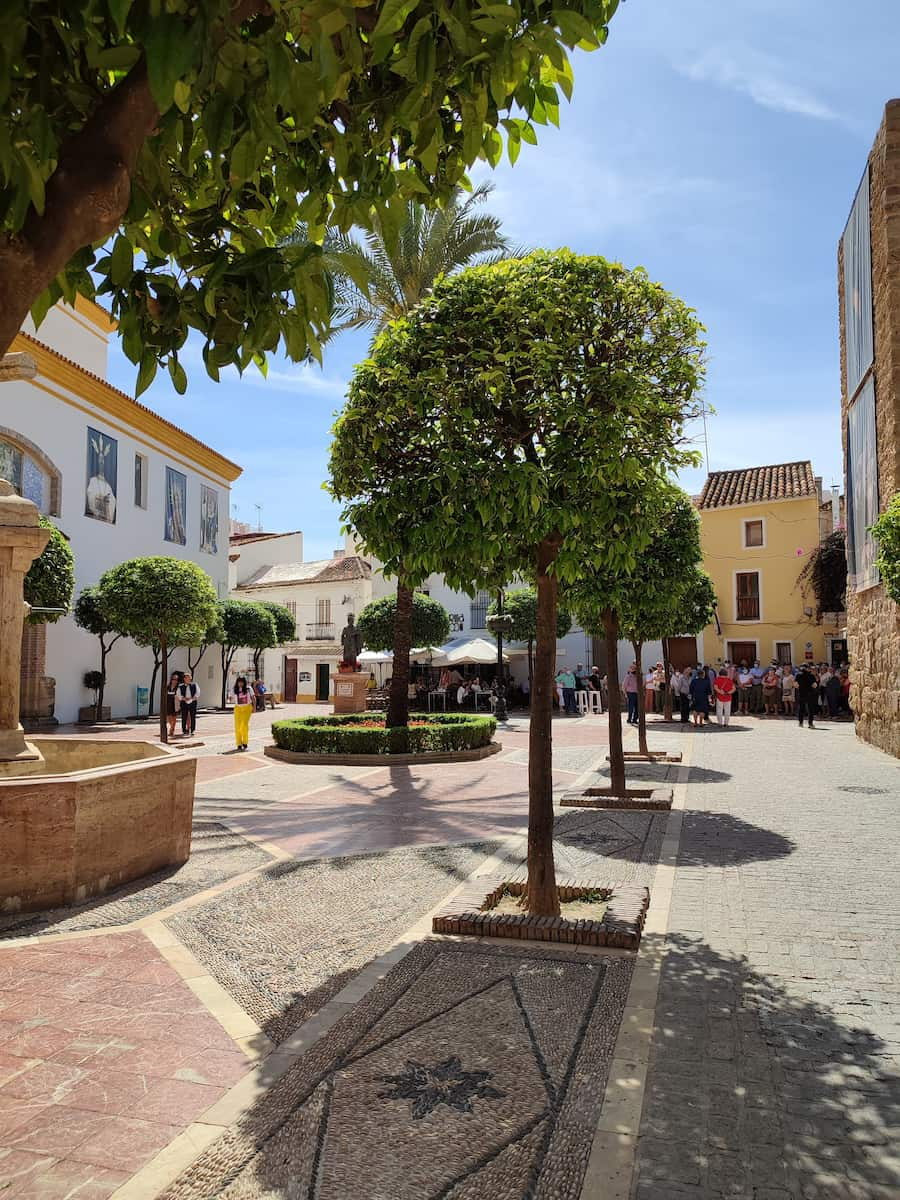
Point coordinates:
[[869, 303], [758, 528], [120, 482], [322, 593]]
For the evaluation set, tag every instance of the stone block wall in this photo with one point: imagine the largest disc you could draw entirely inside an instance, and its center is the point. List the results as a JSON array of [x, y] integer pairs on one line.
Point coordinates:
[[873, 620]]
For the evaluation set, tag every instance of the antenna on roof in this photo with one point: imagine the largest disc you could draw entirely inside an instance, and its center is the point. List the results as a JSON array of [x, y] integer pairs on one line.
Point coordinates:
[[258, 508]]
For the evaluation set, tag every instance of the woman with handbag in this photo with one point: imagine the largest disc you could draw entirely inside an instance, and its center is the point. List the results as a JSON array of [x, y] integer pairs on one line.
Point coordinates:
[[243, 708]]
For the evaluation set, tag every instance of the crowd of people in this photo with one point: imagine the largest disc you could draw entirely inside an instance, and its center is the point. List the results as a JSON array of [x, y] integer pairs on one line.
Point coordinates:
[[810, 691]]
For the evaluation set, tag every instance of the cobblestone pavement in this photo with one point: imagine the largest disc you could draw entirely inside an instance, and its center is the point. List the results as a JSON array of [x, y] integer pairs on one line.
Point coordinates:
[[285, 942], [774, 1066], [459, 1075], [217, 854]]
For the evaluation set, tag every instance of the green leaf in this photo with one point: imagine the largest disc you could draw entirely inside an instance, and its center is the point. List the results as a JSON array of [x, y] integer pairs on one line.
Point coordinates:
[[176, 371], [393, 14], [182, 95], [121, 262], [426, 56], [118, 10], [243, 158], [35, 181], [170, 47], [146, 372]]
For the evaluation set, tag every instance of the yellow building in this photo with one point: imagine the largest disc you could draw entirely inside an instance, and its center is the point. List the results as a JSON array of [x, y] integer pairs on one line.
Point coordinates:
[[758, 528]]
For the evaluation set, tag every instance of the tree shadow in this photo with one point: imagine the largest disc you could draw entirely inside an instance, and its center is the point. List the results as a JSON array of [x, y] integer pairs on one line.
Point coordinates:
[[711, 839], [756, 1083], [666, 773]]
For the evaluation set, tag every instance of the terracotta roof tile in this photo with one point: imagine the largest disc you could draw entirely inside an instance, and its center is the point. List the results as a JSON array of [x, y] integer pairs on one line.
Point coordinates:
[[755, 485], [325, 570]]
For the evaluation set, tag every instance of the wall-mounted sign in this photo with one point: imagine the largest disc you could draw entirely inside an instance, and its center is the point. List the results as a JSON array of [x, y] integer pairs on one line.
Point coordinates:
[[304, 677], [344, 689]]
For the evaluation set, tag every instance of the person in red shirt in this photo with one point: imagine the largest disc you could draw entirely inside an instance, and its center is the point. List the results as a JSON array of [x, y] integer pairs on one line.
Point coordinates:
[[724, 690]]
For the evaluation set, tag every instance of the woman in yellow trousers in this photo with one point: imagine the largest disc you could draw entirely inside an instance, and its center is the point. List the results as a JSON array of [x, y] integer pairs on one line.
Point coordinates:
[[243, 707]]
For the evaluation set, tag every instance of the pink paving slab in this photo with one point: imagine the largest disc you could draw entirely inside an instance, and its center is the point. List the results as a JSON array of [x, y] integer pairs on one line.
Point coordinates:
[[95, 1083]]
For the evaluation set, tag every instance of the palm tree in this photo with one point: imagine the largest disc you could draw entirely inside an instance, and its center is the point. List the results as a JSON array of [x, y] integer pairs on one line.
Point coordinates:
[[392, 270], [382, 278]]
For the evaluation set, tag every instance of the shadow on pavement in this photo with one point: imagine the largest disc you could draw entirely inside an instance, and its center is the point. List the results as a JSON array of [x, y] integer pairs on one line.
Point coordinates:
[[712, 839], [754, 1086]]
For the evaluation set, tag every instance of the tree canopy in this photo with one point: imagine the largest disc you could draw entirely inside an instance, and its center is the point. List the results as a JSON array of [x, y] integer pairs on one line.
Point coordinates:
[[50, 579], [521, 605], [513, 424], [199, 131], [283, 621], [887, 532], [158, 599], [243, 623], [90, 615], [430, 622]]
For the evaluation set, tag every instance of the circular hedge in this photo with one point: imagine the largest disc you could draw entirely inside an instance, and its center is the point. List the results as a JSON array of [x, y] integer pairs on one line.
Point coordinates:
[[365, 733]]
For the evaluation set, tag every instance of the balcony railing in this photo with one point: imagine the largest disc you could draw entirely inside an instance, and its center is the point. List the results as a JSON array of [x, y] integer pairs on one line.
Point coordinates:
[[748, 608], [320, 631]]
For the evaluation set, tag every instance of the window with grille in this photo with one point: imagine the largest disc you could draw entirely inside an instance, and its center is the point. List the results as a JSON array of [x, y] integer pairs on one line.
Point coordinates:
[[747, 587], [784, 655], [323, 612], [291, 606], [753, 533], [478, 610]]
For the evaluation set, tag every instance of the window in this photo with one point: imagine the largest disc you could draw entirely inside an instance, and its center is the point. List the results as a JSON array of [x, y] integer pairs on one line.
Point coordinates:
[[784, 654], [28, 476], [862, 488], [478, 610], [291, 606], [140, 481], [323, 612], [858, 325], [753, 534], [747, 588], [176, 507]]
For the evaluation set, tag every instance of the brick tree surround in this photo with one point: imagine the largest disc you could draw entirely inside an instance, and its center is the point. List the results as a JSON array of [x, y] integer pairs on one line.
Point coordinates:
[[873, 620]]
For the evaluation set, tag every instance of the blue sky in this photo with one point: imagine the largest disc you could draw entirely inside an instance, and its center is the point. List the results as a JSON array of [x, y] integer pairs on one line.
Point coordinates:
[[717, 144]]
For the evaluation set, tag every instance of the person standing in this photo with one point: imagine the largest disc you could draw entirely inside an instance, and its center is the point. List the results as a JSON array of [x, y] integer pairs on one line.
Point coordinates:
[[724, 690], [807, 695], [788, 687], [682, 692], [243, 708], [745, 689], [630, 686], [700, 690], [771, 691], [172, 701], [756, 687], [188, 696], [567, 683], [649, 689]]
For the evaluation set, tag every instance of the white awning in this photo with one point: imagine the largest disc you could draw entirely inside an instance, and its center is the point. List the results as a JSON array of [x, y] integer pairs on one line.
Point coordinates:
[[459, 651]]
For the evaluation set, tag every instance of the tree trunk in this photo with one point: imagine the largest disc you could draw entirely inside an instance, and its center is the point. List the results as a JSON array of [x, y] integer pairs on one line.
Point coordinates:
[[398, 703], [100, 690], [530, 665], [192, 666], [667, 671], [616, 757], [224, 677], [638, 648], [543, 895], [152, 697], [257, 655], [163, 690]]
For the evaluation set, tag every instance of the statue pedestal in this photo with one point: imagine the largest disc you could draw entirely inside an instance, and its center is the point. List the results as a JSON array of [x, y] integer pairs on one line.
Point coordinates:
[[18, 757], [350, 692]]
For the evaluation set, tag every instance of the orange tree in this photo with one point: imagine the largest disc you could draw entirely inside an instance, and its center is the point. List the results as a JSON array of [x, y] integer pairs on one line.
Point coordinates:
[[511, 425], [664, 593], [188, 137]]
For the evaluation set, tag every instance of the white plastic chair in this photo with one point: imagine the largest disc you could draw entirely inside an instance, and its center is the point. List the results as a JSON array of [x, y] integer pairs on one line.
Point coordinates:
[[596, 702], [581, 699]]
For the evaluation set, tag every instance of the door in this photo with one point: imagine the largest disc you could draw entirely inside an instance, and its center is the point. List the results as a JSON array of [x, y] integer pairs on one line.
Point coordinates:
[[682, 652], [323, 680], [739, 652], [838, 651], [290, 680]]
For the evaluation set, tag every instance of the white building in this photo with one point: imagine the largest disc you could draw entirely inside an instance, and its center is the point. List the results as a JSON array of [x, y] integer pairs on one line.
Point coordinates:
[[120, 482], [321, 594]]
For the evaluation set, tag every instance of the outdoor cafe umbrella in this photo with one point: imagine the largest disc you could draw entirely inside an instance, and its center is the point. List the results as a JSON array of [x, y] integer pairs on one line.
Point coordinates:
[[470, 650]]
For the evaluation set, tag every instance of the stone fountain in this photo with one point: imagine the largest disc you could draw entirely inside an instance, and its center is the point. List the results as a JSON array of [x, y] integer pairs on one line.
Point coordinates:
[[78, 816]]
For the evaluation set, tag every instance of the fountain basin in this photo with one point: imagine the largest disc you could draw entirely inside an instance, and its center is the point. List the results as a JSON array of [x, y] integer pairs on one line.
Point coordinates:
[[95, 815]]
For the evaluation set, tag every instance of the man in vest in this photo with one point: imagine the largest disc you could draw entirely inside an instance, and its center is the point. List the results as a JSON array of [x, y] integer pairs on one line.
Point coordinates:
[[188, 694]]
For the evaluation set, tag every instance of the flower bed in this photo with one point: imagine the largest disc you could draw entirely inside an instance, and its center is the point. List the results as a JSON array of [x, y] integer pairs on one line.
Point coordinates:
[[365, 733]]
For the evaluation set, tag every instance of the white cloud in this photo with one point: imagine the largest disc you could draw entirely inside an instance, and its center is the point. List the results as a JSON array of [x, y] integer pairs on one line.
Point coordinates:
[[760, 77]]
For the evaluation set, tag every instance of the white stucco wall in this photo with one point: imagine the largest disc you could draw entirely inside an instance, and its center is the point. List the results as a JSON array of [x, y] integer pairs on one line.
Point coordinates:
[[56, 421], [73, 335]]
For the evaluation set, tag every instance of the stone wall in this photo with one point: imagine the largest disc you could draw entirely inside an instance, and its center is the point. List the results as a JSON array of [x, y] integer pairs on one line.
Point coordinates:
[[873, 621]]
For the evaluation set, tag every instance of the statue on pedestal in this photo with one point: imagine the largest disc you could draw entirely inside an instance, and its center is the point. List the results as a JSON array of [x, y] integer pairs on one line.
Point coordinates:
[[351, 642]]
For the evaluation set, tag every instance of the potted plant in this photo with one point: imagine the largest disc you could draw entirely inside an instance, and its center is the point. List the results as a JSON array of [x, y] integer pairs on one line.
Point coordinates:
[[347, 668], [94, 681]]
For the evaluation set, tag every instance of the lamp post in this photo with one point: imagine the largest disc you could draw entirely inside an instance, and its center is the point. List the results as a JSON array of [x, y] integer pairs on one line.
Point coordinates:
[[499, 624]]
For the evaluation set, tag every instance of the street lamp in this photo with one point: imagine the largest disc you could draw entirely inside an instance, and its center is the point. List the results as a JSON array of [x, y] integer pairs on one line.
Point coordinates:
[[500, 624]]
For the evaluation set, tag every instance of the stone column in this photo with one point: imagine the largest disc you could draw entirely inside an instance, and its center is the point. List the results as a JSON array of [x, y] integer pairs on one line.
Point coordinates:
[[21, 541]]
